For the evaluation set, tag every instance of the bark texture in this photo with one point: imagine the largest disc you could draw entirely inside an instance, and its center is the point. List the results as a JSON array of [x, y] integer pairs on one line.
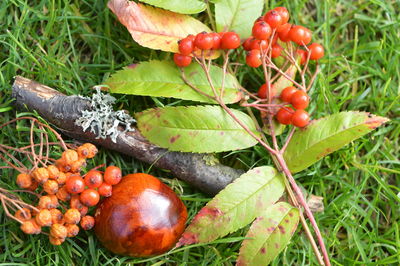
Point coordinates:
[[62, 111]]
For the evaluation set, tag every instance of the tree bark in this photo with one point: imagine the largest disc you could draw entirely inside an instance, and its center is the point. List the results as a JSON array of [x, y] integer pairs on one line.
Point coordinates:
[[62, 111]]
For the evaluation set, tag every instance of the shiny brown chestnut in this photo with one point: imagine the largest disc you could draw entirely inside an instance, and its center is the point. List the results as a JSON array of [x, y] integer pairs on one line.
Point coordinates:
[[143, 217]]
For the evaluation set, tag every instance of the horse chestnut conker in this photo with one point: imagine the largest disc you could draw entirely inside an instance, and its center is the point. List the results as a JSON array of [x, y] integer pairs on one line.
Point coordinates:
[[142, 218]]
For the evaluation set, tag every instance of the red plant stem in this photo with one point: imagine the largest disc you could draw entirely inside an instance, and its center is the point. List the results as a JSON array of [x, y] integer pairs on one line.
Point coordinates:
[[302, 201]]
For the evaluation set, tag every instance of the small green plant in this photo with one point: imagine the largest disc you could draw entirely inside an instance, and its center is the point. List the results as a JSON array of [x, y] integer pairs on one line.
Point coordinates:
[[289, 65]]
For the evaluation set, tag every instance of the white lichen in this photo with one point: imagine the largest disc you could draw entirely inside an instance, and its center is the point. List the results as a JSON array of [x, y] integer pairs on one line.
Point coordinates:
[[102, 119]]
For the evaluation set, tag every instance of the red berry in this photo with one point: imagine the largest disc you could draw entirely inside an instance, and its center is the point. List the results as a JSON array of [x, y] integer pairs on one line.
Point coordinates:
[[93, 179], [258, 45], [105, 190], [75, 184], [191, 37], [284, 115], [283, 32], [262, 91], [185, 46], [300, 35], [89, 197], [303, 56], [300, 100], [300, 118], [246, 44], [253, 58], [273, 18], [112, 175], [283, 12], [261, 30], [316, 50], [204, 41], [287, 93], [276, 50], [230, 40], [216, 40], [182, 60]]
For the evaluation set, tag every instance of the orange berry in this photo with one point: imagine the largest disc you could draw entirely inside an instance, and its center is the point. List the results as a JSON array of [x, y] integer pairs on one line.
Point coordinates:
[[69, 157], [75, 184], [24, 180], [30, 227], [63, 194], [93, 179], [62, 166], [53, 171], [56, 216], [78, 165], [54, 201], [72, 230], [50, 186], [34, 185], [23, 214], [43, 218], [45, 202], [58, 231], [62, 178], [87, 222], [87, 151], [105, 190], [72, 216], [75, 203], [287, 93], [90, 197], [112, 175], [40, 175], [55, 240]]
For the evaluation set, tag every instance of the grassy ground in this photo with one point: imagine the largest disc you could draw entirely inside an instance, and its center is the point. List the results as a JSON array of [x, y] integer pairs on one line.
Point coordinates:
[[73, 45]]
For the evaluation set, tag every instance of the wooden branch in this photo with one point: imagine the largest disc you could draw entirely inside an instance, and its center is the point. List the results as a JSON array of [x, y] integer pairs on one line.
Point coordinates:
[[62, 111]]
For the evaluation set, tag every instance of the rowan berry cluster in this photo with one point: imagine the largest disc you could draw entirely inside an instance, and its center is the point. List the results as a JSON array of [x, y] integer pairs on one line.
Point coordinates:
[[64, 188]]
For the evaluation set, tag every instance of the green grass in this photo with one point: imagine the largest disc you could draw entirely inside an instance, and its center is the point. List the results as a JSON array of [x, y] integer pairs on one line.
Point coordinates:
[[73, 45]]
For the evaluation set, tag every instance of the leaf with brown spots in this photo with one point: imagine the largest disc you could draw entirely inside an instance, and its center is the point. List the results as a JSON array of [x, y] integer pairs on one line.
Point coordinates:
[[196, 129], [326, 135], [269, 235], [236, 206], [155, 28]]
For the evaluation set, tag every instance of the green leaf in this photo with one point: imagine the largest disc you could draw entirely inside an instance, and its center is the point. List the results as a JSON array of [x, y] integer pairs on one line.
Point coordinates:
[[236, 206], [237, 15], [324, 136], [202, 129], [269, 235], [179, 6], [163, 79]]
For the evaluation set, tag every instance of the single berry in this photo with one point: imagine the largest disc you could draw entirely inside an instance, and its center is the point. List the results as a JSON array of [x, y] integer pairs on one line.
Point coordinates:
[[55, 240], [24, 180], [273, 18], [185, 46], [300, 118], [112, 175], [53, 171], [93, 179], [262, 91], [276, 50], [72, 216], [34, 185], [63, 194], [72, 230], [283, 32], [78, 165], [303, 56], [284, 115], [253, 58], [287, 93], [258, 45], [69, 157], [45, 202], [283, 12], [216, 41], [23, 214], [56, 216], [300, 35], [230, 40], [316, 51], [300, 100], [75, 184], [50, 186], [58, 231], [87, 222], [62, 166], [105, 190], [90, 197], [31, 227], [76, 203], [204, 41], [261, 30], [62, 178], [182, 60], [40, 175], [87, 151], [54, 201], [43, 218], [246, 44]]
